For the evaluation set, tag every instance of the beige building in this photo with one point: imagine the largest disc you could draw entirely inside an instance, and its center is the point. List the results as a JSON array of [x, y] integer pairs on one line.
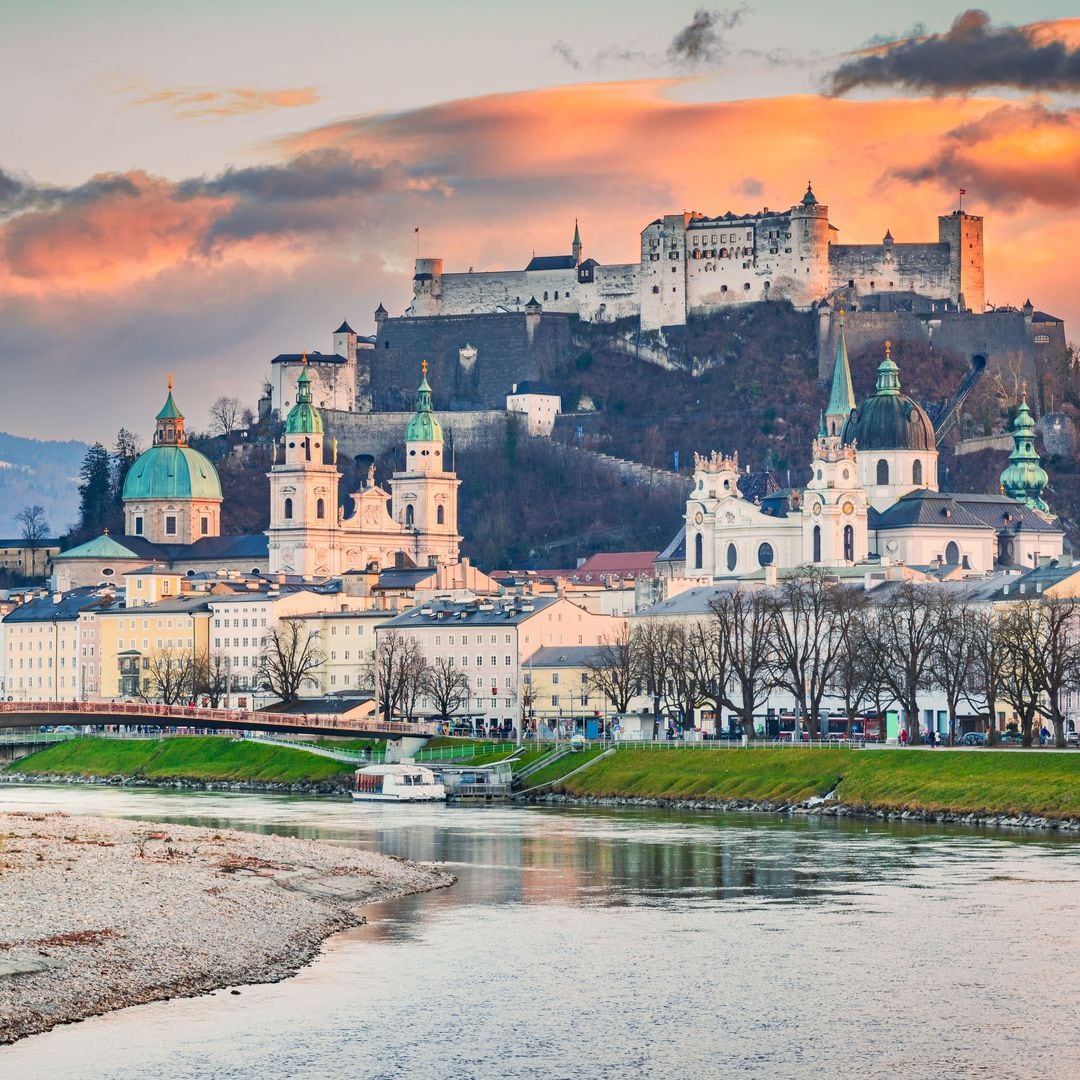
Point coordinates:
[[25, 560]]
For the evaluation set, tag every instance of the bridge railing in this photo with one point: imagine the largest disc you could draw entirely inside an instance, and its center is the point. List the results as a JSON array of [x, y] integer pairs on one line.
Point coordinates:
[[180, 715]]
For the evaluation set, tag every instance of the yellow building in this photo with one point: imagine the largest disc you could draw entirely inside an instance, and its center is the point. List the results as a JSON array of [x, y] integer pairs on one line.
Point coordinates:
[[18, 557]]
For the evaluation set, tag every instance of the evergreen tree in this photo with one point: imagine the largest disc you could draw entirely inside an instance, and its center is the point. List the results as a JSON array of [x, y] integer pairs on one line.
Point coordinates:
[[127, 448], [95, 491]]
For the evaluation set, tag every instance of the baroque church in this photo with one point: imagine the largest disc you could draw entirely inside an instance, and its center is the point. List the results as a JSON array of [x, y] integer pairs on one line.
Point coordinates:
[[872, 497], [172, 507]]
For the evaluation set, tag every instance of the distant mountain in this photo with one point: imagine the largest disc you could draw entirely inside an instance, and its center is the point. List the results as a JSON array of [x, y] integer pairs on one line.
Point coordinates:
[[33, 471]]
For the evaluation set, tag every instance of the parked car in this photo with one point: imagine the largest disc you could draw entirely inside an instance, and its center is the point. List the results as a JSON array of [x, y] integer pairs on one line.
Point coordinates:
[[1011, 738], [973, 738], [1072, 738]]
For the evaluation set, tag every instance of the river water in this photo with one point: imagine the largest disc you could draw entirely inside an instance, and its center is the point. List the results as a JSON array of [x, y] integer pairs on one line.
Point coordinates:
[[626, 944]]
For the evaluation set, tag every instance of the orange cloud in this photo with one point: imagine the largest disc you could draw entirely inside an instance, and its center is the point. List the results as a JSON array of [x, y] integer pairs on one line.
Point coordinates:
[[194, 103]]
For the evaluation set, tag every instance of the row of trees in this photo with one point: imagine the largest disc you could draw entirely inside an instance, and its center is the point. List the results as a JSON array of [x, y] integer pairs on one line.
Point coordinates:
[[814, 637]]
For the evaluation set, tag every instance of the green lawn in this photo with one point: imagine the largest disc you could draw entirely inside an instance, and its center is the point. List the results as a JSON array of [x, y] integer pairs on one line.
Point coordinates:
[[561, 767], [970, 782], [208, 757]]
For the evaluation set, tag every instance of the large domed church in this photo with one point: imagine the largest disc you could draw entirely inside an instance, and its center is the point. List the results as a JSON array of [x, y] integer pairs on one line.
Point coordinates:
[[872, 497]]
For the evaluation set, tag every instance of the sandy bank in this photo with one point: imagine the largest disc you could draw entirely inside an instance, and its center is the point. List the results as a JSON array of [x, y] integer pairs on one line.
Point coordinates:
[[99, 914]]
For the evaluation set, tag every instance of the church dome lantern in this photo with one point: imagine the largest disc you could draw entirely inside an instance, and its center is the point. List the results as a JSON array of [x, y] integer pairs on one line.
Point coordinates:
[[1024, 478], [304, 418], [890, 420], [424, 425]]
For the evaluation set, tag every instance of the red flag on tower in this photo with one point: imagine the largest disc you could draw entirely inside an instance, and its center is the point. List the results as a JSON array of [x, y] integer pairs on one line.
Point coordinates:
[[963, 191]]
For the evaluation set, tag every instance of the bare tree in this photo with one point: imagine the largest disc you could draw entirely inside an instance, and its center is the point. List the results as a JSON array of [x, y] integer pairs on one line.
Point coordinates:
[[988, 659], [744, 622], [653, 637], [1059, 657], [615, 667], [1021, 636], [808, 639], [399, 673], [857, 678], [686, 688], [212, 677], [168, 676], [290, 659], [954, 662], [906, 622], [447, 686], [225, 414], [33, 528]]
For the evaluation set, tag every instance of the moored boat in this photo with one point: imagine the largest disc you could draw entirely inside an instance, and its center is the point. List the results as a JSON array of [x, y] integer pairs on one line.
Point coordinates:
[[397, 783]]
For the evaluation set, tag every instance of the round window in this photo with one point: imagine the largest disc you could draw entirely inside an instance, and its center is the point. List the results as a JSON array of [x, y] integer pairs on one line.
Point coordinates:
[[107, 572], [732, 557], [765, 555]]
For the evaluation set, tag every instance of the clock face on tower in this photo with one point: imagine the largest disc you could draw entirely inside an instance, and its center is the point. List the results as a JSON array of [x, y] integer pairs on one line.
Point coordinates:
[[699, 517], [849, 508], [816, 509]]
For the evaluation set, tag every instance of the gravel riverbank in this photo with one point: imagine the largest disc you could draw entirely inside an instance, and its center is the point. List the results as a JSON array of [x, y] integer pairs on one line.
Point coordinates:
[[98, 914]]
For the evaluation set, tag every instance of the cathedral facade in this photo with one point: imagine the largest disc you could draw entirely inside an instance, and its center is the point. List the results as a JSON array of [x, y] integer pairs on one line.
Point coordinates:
[[415, 521], [695, 264], [872, 495]]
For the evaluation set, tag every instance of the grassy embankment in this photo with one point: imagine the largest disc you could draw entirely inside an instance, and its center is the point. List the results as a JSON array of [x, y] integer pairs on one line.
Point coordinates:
[[980, 781], [207, 757]]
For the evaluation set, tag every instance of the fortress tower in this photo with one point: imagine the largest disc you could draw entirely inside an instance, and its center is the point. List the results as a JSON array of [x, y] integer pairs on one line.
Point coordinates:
[[964, 235], [808, 267]]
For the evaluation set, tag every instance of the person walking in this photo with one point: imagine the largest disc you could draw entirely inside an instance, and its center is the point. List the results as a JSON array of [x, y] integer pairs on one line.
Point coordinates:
[[903, 736]]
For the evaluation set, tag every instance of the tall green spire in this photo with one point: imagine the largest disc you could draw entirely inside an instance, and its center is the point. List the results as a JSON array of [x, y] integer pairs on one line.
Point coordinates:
[[888, 374], [842, 397], [304, 418], [1024, 478], [424, 426]]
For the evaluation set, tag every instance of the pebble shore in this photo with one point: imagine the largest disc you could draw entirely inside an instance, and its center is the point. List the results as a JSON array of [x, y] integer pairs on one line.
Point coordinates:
[[98, 914]]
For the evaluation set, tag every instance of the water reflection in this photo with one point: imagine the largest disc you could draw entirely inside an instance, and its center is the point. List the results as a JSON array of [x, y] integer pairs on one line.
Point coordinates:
[[616, 944]]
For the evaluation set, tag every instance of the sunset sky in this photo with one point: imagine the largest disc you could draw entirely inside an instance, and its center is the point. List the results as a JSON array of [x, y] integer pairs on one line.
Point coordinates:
[[195, 188]]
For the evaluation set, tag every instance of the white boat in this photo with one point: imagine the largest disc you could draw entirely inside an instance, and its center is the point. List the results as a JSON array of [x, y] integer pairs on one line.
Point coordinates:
[[397, 783]]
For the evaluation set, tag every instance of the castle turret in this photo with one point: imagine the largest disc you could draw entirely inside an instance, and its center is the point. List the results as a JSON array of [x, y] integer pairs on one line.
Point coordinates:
[[1024, 478], [345, 341], [964, 235], [427, 287], [576, 246], [810, 246]]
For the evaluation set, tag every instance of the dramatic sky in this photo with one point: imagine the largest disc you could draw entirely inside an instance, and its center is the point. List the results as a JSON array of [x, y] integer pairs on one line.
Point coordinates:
[[193, 188]]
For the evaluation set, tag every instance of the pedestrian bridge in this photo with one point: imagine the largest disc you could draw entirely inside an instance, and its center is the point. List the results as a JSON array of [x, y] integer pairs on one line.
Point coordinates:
[[133, 714]]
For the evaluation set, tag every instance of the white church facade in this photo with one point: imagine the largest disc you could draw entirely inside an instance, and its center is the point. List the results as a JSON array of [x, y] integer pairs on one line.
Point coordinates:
[[872, 496]]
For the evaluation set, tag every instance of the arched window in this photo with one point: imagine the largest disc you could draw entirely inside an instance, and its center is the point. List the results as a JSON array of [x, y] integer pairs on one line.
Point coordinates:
[[699, 551], [732, 557], [288, 509], [307, 449], [882, 471], [765, 555], [952, 553], [849, 543], [916, 472], [320, 508], [440, 515], [817, 543], [409, 514]]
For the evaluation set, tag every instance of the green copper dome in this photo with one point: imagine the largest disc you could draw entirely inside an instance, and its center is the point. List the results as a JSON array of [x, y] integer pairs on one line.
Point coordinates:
[[424, 427], [889, 420], [1024, 478], [303, 418], [172, 472]]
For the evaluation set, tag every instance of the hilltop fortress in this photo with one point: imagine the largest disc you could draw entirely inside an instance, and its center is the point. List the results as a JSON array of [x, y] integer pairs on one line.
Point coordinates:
[[695, 265]]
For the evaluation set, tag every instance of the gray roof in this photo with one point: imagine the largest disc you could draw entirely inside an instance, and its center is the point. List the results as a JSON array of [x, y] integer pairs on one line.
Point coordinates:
[[691, 602], [676, 550], [312, 357], [508, 612], [44, 609], [963, 511], [552, 262], [531, 386], [21, 542], [564, 655]]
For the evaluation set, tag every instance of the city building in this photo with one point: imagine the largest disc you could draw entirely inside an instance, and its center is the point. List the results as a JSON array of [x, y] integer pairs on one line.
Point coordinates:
[[22, 558]]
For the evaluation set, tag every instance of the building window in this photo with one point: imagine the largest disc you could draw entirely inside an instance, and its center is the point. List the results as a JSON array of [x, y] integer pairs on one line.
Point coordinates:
[[765, 555], [409, 514], [138, 526], [952, 553], [204, 526], [732, 557], [699, 550], [882, 471], [817, 543], [849, 543], [916, 472], [440, 515], [170, 525], [320, 508], [288, 509]]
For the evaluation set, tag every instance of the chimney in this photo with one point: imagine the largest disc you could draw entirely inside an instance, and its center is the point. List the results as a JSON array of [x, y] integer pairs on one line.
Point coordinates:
[[770, 575]]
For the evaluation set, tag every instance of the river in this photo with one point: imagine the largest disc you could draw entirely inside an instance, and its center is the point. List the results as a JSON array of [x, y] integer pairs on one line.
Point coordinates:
[[626, 944]]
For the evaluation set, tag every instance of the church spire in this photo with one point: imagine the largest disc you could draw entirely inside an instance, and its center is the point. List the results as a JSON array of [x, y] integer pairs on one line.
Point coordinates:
[[1024, 478], [424, 426], [576, 246], [842, 397], [170, 423]]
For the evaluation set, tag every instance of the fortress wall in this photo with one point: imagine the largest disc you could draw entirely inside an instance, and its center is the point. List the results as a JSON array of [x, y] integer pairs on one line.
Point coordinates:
[[469, 294], [920, 268], [614, 294], [378, 433], [510, 348]]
